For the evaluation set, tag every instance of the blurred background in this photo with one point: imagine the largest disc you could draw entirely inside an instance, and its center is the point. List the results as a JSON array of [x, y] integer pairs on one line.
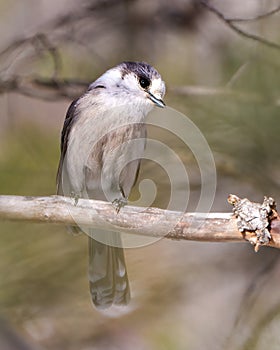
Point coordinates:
[[186, 295]]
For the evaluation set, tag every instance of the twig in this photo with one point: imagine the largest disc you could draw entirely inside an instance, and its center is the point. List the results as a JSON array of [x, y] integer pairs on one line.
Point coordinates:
[[256, 18], [42, 39], [153, 222], [230, 23], [44, 89], [224, 91], [63, 21], [49, 89]]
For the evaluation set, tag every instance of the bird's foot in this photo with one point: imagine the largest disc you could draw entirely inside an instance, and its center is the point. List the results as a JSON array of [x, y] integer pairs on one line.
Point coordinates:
[[119, 203], [75, 196]]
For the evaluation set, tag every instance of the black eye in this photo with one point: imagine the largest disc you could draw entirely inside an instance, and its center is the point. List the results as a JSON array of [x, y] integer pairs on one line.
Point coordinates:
[[144, 82]]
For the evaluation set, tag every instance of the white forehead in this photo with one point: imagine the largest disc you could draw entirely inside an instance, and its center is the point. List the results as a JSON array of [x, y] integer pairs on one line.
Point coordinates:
[[110, 77], [113, 73], [115, 77]]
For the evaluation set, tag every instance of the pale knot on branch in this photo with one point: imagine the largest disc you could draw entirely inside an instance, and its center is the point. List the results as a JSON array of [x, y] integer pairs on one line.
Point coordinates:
[[254, 218]]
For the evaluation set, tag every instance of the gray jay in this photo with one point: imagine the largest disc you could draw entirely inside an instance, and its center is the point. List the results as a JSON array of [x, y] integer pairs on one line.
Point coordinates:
[[100, 160]]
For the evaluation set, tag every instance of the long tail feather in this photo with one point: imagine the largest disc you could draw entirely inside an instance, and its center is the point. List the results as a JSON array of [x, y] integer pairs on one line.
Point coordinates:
[[108, 279]]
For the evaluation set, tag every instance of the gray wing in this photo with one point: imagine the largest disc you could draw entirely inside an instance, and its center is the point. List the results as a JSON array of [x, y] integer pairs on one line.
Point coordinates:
[[68, 123]]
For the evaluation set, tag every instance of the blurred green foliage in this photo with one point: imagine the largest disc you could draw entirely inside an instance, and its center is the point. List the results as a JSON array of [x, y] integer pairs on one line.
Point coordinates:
[[32, 269], [28, 161]]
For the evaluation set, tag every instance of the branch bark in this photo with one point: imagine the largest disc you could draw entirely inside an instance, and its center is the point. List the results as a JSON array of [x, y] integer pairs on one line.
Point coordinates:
[[212, 227]]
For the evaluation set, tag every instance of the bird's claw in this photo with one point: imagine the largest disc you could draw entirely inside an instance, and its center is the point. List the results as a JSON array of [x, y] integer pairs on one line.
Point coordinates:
[[119, 203], [76, 197]]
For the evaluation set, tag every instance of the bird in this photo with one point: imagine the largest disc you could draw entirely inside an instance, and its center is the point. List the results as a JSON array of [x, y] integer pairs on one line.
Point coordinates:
[[100, 160]]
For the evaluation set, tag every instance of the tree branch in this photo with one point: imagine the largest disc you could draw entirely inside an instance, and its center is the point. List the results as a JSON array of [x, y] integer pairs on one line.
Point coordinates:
[[213, 227], [256, 18], [204, 91], [57, 31], [50, 89], [230, 23]]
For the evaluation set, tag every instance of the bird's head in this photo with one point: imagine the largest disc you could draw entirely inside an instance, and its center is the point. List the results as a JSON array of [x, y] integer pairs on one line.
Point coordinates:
[[133, 82]]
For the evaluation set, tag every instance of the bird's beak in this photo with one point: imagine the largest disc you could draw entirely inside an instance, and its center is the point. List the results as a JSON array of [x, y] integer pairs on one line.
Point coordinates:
[[156, 100]]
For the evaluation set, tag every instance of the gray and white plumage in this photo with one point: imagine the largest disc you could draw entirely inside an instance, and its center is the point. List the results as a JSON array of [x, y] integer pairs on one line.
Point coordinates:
[[102, 142]]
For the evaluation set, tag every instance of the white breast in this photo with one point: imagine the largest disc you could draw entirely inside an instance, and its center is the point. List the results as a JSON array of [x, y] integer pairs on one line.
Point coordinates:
[[87, 133]]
